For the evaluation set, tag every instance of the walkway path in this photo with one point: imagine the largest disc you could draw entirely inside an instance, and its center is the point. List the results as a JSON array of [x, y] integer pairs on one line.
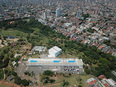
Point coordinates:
[[27, 52]]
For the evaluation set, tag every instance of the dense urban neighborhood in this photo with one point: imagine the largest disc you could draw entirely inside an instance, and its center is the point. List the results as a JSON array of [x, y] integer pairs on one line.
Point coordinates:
[[57, 43]]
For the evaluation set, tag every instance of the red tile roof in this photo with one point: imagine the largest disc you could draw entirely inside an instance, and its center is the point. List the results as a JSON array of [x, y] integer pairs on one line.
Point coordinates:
[[106, 85], [100, 47], [83, 41], [92, 82], [114, 31], [102, 77]]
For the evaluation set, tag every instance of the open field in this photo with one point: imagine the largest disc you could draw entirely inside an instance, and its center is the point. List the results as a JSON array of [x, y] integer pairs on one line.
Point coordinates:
[[7, 84], [35, 56], [66, 55], [4, 85], [14, 33], [73, 79]]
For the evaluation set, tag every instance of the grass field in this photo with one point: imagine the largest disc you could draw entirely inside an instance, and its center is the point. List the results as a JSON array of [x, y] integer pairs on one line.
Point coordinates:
[[35, 56], [4, 85], [14, 33], [73, 79]]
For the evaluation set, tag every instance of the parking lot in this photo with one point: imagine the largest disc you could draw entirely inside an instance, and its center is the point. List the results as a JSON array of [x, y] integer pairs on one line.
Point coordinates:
[[36, 70], [23, 68]]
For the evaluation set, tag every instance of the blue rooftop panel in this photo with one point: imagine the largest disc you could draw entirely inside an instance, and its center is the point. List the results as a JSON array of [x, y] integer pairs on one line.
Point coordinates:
[[56, 61], [12, 37], [33, 61], [71, 61]]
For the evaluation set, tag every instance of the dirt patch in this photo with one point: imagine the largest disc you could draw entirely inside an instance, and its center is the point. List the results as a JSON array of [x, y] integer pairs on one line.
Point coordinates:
[[12, 40], [0, 41]]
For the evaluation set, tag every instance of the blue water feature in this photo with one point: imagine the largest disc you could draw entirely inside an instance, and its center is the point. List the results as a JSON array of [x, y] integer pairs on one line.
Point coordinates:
[[71, 61], [56, 61], [33, 61]]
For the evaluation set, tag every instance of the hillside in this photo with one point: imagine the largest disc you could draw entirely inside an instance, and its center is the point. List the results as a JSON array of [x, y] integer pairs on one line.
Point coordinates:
[[35, 33]]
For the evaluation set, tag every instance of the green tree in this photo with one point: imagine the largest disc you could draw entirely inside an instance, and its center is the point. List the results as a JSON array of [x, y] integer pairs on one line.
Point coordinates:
[[52, 81], [65, 83], [17, 80], [1, 74], [24, 82], [88, 71], [79, 85], [14, 73], [48, 73]]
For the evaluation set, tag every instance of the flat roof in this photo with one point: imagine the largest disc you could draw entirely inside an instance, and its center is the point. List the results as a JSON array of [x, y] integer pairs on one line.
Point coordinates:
[[54, 61], [55, 49], [39, 48]]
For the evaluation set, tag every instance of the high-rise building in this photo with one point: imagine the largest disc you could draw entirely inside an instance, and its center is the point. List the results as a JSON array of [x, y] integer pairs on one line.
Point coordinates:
[[58, 12], [1, 9], [48, 12], [42, 2], [79, 14], [45, 15]]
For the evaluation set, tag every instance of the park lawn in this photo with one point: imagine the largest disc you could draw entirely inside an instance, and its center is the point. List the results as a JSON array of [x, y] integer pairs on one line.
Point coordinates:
[[73, 79], [56, 86], [44, 41], [1, 74], [13, 33], [4, 85], [95, 65], [40, 39], [35, 56], [80, 54], [71, 54], [66, 55]]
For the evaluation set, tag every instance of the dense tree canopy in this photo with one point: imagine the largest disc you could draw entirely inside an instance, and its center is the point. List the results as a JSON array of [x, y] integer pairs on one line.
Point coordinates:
[[48, 73]]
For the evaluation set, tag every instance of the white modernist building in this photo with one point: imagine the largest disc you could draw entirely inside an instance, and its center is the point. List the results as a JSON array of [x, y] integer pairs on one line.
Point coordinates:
[[55, 51], [65, 65], [55, 62]]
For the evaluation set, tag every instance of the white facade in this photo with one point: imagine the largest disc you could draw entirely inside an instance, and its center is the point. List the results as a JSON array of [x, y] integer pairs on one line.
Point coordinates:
[[64, 65], [55, 62], [55, 51], [45, 15]]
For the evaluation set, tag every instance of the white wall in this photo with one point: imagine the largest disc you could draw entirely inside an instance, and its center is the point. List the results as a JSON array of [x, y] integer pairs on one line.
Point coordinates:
[[54, 54]]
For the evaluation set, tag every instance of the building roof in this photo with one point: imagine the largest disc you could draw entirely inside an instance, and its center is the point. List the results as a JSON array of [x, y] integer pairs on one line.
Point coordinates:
[[92, 82], [102, 77], [106, 85], [100, 47], [55, 49], [54, 61], [39, 48], [111, 82], [10, 36], [113, 72]]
